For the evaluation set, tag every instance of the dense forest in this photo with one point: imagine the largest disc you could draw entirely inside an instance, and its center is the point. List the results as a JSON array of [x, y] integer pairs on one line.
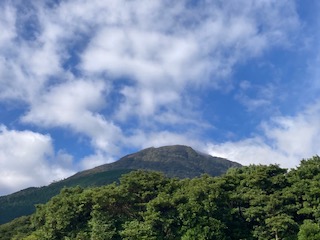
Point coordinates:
[[174, 161], [23, 202], [252, 202]]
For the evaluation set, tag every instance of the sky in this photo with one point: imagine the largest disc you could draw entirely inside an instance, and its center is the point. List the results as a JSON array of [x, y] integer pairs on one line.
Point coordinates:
[[83, 83]]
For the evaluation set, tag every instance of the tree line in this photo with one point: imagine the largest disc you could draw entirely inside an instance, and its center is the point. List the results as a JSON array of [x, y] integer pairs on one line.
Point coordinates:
[[255, 202]]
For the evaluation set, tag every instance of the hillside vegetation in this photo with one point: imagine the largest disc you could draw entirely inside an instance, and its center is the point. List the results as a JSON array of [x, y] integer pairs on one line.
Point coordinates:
[[174, 161], [23, 202], [254, 202]]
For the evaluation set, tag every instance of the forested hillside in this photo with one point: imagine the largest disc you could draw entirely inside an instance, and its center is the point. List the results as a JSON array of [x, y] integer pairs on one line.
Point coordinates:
[[23, 202], [174, 161], [253, 202]]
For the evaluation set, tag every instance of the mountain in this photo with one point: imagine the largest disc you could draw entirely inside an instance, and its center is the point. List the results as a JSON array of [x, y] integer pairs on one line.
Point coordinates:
[[175, 161]]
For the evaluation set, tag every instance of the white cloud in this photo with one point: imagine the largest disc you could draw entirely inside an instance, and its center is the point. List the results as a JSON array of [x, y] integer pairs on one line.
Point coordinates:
[[285, 140], [82, 48], [73, 105], [64, 103], [256, 97], [250, 151], [28, 159], [23, 61], [147, 56], [95, 160], [7, 24], [145, 102], [183, 49], [191, 46], [297, 136]]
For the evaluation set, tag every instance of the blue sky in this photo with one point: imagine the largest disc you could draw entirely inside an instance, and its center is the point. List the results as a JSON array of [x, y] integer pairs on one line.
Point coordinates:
[[83, 83]]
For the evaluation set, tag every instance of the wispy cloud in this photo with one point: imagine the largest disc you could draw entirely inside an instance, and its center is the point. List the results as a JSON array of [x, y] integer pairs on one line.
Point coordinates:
[[284, 140], [255, 97], [7, 23], [74, 105]]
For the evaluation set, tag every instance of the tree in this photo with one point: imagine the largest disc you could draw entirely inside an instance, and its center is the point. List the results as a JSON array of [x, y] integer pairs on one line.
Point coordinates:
[[102, 226], [137, 230], [64, 215], [281, 226], [309, 231], [305, 187], [253, 203]]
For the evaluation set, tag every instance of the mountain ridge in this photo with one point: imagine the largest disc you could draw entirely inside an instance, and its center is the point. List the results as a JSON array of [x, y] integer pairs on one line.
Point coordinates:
[[167, 155]]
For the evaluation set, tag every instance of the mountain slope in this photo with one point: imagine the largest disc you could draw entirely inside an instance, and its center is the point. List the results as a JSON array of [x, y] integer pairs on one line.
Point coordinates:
[[23, 202], [174, 161]]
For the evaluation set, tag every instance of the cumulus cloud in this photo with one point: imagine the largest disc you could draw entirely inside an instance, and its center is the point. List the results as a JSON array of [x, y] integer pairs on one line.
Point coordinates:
[[72, 105], [192, 46], [164, 57], [27, 159], [285, 140], [184, 49], [145, 102], [145, 55]]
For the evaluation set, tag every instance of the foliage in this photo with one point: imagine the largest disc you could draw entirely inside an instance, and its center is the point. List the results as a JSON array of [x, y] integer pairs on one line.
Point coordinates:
[[16, 229], [254, 203], [23, 202], [309, 231], [174, 161]]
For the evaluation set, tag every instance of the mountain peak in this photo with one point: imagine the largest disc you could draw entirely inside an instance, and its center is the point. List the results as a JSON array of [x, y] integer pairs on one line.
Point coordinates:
[[165, 153], [175, 161]]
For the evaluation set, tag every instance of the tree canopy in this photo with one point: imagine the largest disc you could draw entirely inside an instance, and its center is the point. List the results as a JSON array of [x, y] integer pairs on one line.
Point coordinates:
[[253, 202]]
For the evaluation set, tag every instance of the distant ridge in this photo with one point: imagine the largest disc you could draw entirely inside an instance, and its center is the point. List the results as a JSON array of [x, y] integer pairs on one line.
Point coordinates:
[[174, 161]]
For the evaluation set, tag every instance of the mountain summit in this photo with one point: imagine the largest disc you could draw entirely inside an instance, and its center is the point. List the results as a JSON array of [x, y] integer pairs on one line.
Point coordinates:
[[175, 161]]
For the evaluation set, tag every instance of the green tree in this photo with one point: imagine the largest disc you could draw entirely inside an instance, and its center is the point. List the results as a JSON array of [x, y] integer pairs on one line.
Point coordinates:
[[305, 180], [137, 230], [16, 229], [102, 226], [206, 210], [260, 202], [254, 203], [309, 231], [64, 215], [277, 227]]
